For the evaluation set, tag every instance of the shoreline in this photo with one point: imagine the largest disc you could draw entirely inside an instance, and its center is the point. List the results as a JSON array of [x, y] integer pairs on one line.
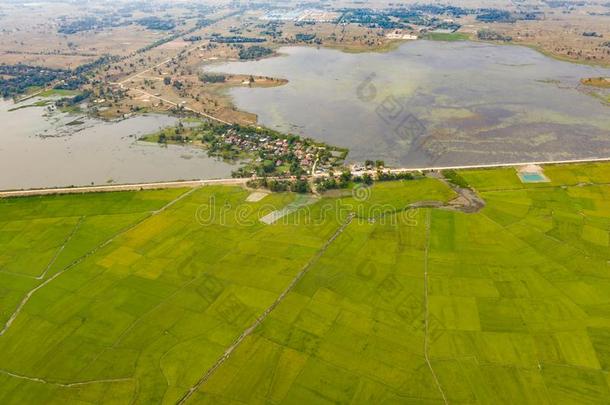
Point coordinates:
[[394, 44], [389, 47], [244, 180], [283, 81]]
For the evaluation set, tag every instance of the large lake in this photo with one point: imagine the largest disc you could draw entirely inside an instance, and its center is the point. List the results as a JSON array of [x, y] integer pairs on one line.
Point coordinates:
[[42, 149], [432, 103]]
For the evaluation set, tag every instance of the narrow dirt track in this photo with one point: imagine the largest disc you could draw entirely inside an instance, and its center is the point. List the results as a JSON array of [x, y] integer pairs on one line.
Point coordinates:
[[427, 311], [63, 385], [121, 187], [27, 297], [266, 313], [61, 249]]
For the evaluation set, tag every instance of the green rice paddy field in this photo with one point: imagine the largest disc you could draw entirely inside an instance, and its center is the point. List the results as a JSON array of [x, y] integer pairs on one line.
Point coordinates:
[[134, 297]]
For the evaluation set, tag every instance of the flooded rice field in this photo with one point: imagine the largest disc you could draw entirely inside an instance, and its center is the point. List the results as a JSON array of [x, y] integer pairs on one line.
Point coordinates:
[[39, 148]]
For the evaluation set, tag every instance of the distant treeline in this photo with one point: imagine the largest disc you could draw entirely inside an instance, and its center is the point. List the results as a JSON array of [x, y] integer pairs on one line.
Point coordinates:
[[254, 52], [200, 24], [378, 19], [235, 39], [489, 35], [429, 15], [79, 75], [22, 77], [443, 10], [90, 24], [155, 23], [93, 23], [503, 16], [212, 78], [592, 34], [494, 15], [305, 37]]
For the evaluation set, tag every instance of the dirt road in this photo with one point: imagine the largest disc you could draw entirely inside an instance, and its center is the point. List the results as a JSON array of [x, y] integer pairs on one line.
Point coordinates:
[[121, 187], [239, 181], [266, 313]]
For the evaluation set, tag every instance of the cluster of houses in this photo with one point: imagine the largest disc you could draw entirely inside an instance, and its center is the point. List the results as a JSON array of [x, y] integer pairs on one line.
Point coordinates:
[[275, 149]]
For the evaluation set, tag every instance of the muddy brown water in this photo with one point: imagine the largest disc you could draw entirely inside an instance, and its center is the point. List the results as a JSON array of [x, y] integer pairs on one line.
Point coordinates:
[[41, 149]]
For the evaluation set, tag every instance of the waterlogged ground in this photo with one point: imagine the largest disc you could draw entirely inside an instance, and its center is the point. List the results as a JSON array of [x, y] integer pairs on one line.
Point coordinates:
[[432, 103], [40, 149]]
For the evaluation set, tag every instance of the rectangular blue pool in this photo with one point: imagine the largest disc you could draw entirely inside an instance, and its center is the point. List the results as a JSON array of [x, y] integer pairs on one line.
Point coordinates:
[[532, 177]]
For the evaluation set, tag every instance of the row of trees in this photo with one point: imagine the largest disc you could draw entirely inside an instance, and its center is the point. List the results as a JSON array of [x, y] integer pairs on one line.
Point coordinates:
[[298, 185], [213, 78], [16, 79], [235, 39], [254, 52], [489, 35]]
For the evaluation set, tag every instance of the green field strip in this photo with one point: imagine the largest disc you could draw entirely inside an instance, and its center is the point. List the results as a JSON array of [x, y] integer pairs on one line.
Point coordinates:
[[24, 301], [260, 319], [427, 321], [429, 305], [69, 385], [304, 338], [61, 249], [133, 237]]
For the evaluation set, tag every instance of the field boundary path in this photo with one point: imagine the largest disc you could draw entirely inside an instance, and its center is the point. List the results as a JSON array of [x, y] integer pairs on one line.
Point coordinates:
[[64, 385], [266, 313], [122, 187], [61, 249], [427, 310]]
